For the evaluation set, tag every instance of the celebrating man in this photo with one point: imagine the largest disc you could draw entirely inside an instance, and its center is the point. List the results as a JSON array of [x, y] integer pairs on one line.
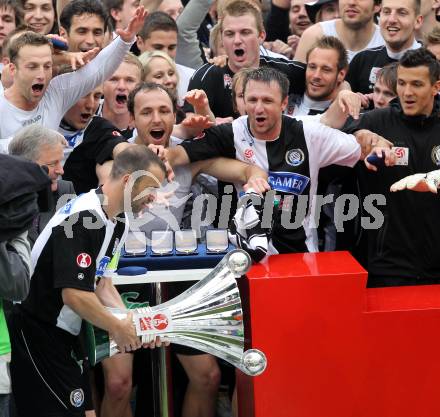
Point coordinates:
[[69, 258]]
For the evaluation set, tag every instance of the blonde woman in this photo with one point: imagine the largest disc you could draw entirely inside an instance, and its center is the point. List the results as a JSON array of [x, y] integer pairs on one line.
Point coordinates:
[[159, 68]]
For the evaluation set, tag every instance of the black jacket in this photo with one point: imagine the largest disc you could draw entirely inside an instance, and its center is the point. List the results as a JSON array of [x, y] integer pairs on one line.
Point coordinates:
[[21, 180], [406, 248]]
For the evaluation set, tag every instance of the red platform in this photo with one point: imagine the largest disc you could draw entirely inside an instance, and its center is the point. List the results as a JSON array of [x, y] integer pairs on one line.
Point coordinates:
[[334, 347]]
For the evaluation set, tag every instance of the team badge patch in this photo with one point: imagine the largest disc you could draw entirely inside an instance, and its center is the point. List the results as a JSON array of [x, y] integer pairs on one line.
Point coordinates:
[[295, 157], [435, 155], [248, 153], [373, 75], [83, 260], [80, 276], [67, 208], [77, 397], [227, 80]]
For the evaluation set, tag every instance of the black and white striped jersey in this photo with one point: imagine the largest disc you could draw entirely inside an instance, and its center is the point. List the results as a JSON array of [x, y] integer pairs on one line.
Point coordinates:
[[73, 249], [292, 161]]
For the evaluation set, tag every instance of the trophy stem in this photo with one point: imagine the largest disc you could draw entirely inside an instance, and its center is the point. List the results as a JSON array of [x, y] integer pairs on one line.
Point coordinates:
[[160, 365]]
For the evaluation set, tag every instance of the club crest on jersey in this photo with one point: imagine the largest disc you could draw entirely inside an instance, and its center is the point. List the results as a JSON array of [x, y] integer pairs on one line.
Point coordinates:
[[435, 155], [288, 182], [77, 397], [227, 81], [102, 266], [295, 157], [66, 209], [83, 260]]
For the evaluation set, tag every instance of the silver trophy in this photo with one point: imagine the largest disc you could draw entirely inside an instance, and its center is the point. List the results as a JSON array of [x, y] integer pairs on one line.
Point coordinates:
[[208, 317]]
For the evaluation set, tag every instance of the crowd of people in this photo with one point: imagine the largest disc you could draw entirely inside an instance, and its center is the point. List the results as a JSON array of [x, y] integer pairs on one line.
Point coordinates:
[[316, 122]]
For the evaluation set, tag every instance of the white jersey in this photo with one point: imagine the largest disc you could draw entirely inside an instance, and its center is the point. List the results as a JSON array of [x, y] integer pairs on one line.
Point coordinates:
[[185, 74], [329, 29], [62, 93]]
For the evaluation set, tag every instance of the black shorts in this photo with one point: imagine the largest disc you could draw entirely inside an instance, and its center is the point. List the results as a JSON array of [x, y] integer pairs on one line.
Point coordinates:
[[47, 380]]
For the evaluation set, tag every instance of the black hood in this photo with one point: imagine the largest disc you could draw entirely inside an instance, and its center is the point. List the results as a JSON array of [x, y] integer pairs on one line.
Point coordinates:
[[21, 183]]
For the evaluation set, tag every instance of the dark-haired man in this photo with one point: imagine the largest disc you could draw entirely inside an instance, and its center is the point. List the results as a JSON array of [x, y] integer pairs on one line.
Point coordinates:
[[159, 33], [154, 114], [35, 97], [70, 256], [355, 29], [11, 16], [120, 12], [291, 151], [83, 23], [399, 21], [403, 251]]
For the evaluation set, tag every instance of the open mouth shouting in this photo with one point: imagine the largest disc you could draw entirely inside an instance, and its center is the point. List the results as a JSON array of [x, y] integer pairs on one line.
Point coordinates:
[[239, 54], [157, 134], [37, 89], [260, 120], [85, 117], [121, 99]]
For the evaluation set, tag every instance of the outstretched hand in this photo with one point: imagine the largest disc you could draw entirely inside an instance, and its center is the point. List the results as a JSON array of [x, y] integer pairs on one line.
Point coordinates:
[[197, 123], [350, 103], [197, 98], [134, 26], [418, 182]]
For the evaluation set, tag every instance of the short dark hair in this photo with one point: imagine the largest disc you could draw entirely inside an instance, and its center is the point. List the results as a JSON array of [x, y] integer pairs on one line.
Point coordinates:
[[80, 7], [135, 158], [54, 28], [421, 57], [149, 87], [388, 76], [331, 42], [9, 36], [110, 5], [267, 75], [16, 7], [25, 39], [157, 21]]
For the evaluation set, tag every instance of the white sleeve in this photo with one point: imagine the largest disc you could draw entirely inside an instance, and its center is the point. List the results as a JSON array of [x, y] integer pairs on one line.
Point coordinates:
[[308, 118], [69, 88], [188, 23], [331, 146]]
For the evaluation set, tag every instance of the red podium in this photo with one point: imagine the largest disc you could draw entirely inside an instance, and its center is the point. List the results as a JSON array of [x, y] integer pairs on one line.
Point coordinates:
[[336, 348]]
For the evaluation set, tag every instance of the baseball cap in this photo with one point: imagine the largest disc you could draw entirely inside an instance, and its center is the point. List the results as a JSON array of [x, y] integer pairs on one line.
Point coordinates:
[[313, 7]]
